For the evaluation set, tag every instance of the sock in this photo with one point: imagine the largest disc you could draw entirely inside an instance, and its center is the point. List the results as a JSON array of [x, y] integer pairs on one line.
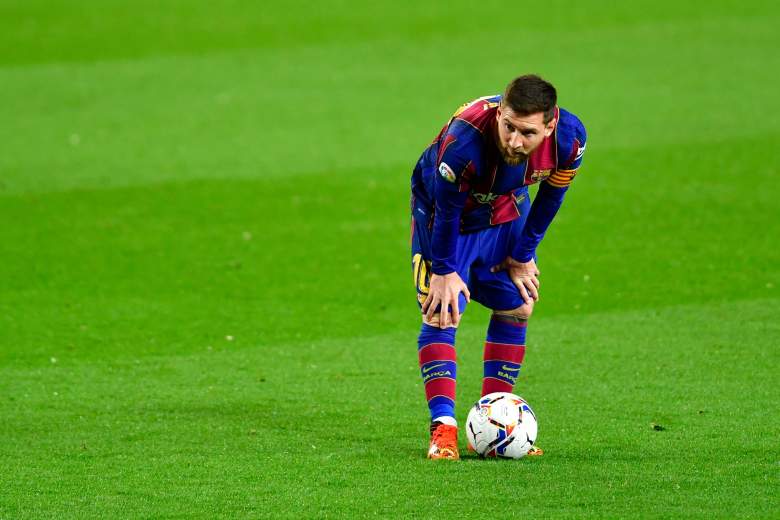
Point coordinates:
[[436, 351], [445, 419], [504, 352]]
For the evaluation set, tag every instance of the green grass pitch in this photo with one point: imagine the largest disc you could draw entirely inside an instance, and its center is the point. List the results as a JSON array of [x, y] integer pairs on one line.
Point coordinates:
[[206, 304]]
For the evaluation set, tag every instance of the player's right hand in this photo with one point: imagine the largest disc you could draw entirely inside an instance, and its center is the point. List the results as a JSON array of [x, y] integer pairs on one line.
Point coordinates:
[[444, 290]]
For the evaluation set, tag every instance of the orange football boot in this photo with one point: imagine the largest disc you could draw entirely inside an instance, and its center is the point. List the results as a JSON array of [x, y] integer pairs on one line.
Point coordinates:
[[535, 451], [444, 442]]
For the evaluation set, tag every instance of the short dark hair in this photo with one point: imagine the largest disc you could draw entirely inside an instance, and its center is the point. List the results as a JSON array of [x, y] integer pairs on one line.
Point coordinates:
[[530, 94]]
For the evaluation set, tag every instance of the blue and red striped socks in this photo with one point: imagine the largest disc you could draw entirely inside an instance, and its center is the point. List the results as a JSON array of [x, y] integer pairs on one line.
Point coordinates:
[[504, 352], [503, 357], [436, 350]]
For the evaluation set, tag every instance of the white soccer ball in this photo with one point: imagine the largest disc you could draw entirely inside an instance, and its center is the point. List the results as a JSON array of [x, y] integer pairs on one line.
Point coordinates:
[[501, 425]]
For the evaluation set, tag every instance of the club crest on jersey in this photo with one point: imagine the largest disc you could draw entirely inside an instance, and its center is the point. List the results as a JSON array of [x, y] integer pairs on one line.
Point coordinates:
[[540, 175], [446, 172]]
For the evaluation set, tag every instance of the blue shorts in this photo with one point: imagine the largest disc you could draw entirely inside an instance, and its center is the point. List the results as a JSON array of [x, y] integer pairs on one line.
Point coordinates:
[[476, 253]]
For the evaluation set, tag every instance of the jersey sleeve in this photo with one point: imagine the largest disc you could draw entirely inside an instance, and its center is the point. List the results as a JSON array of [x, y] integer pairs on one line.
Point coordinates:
[[451, 188], [543, 210], [571, 146], [571, 137]]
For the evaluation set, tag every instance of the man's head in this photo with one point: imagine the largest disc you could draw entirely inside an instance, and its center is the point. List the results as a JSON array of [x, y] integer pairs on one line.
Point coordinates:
[[525, 117]]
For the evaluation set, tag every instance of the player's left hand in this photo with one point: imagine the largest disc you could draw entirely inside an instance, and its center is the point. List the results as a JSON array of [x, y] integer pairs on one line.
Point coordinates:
[[525, 276]]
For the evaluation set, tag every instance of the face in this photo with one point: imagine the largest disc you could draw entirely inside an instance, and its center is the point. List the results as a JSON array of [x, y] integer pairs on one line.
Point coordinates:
[[518, 135]]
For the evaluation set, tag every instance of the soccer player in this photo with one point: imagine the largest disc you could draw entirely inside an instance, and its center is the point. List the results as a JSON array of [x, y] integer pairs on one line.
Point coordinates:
[[475, 233]]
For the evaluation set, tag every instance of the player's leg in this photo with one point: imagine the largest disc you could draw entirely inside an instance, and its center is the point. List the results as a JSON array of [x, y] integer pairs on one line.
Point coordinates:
[[438, 368], [436, 354], [504, 348], [505, 341], [435, 346], [505, 351]]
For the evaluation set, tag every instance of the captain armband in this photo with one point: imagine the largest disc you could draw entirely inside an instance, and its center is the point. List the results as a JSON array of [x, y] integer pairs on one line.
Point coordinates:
[[561, 178]]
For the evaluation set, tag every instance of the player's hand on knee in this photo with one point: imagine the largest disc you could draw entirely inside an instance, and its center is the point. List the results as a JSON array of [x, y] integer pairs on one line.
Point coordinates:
[[444, 290], [525, 276]]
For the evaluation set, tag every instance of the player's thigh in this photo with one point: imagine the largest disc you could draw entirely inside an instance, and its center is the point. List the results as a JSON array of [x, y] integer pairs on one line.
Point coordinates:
[[421, 269], [500, 241], [494, 290], [421, 265]]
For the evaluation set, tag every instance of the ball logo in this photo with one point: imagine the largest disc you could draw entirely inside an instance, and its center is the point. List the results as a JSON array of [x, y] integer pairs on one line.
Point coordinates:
[[539, 175], [446, 172]]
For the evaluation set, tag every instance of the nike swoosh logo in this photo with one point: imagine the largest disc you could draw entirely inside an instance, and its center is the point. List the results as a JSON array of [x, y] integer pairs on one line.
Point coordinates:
[[504, 367], [428, 369]]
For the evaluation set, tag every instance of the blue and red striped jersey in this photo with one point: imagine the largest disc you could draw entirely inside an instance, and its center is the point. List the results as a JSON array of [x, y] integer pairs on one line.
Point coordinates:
[[461, 184]]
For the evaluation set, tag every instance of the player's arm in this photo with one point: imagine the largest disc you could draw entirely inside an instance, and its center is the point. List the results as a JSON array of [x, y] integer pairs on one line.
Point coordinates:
[[521, 265], [543, 210], [450, 194], [550, 196]]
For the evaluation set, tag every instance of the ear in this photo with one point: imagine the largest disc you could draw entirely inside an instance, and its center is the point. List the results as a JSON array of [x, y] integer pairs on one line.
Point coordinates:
[[498, 113], [550, 126]]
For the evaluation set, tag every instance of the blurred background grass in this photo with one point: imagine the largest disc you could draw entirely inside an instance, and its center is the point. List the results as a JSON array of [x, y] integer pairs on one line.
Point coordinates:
[[174, 173]]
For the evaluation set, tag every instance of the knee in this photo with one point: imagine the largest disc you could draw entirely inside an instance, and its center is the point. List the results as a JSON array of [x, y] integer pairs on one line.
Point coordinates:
[[435, 322], [523, 312]]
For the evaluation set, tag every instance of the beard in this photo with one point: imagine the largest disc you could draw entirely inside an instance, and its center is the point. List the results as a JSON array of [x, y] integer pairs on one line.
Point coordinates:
[[512, 159]]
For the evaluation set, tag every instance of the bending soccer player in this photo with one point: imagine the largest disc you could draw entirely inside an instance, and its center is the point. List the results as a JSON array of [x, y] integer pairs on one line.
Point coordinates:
[[475, 233]]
